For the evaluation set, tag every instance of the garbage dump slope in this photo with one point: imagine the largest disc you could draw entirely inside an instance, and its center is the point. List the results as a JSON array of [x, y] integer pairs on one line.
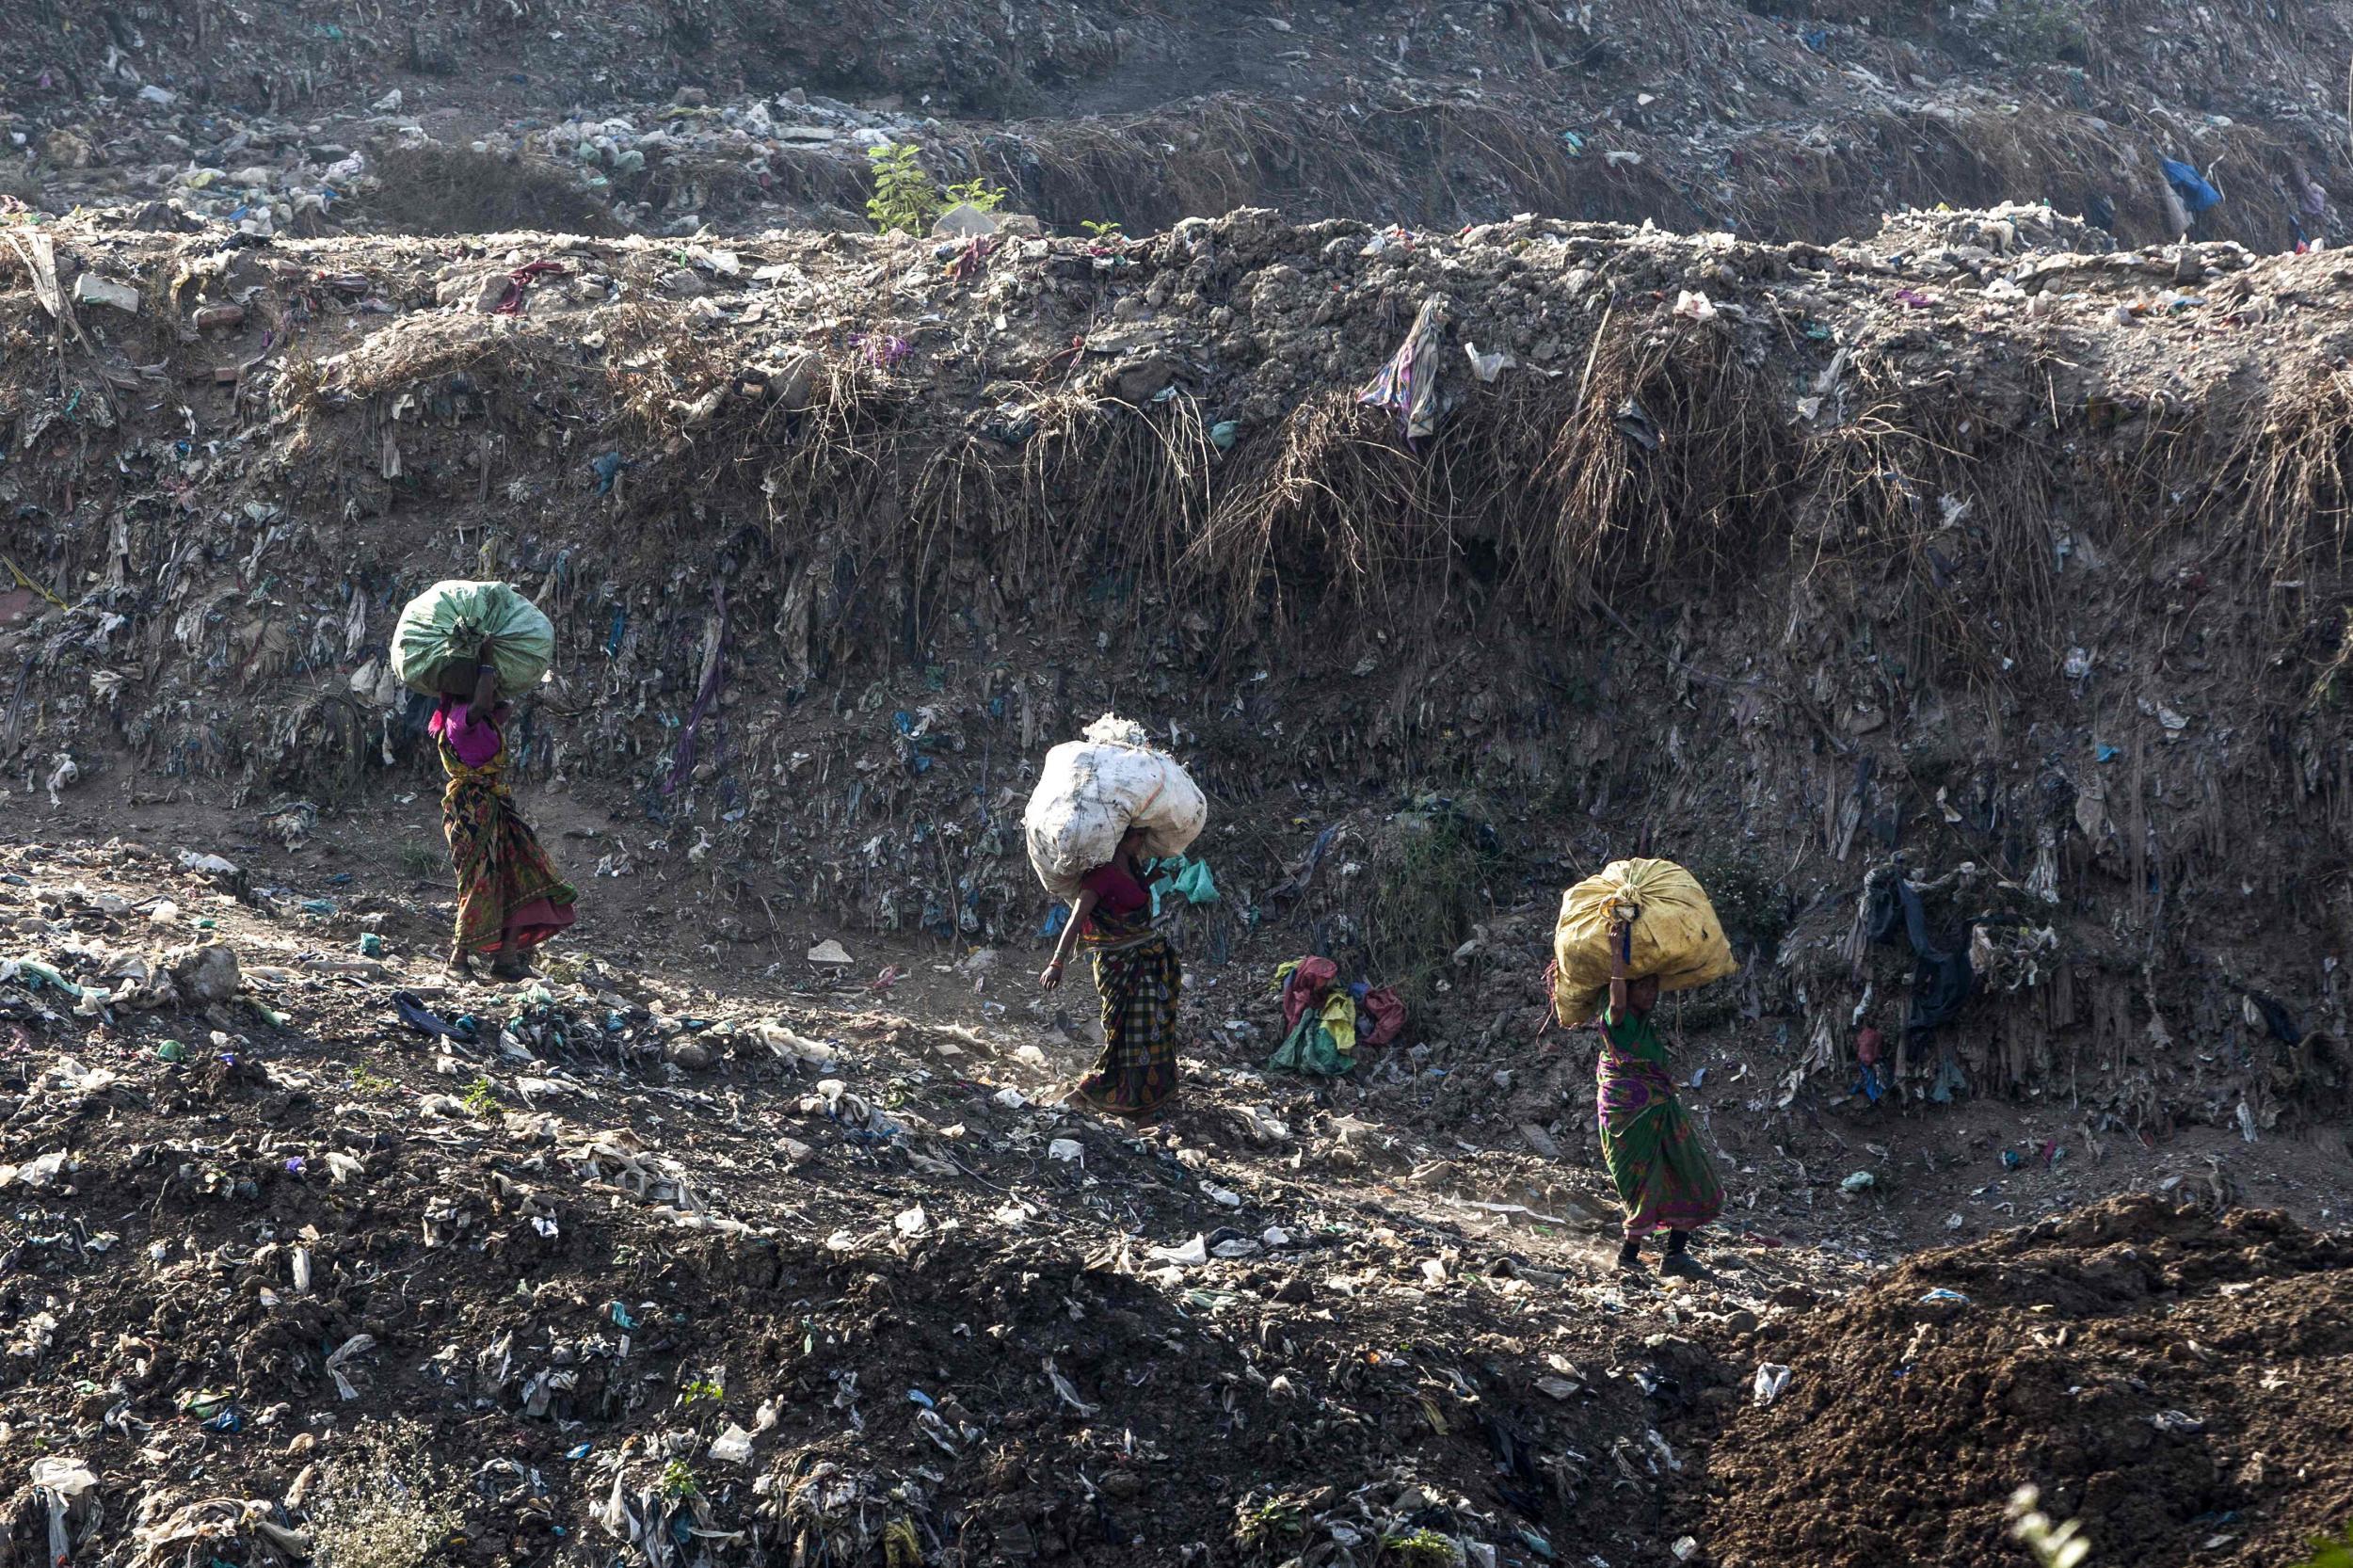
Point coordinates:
[[1964, 542], [314, 1255], [451, 118], [1969, 540], [320, 1256]]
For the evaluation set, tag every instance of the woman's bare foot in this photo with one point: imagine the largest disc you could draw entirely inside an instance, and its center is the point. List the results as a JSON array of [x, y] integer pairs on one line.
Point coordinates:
[[456, 968]]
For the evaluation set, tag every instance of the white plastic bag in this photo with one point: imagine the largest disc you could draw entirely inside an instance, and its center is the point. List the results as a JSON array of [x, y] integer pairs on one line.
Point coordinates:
[[1092, 790]]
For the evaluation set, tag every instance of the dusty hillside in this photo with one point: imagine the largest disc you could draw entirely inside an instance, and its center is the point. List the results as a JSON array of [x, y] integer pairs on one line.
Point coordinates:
[[1803, 123], [2016, 563], [1964, 601]]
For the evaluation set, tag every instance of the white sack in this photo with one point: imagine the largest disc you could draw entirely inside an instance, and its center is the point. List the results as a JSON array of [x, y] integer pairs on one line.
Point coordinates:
[[1092, 790]]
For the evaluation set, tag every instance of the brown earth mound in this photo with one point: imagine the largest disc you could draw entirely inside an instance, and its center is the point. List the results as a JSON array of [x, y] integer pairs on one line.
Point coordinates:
[[2180, 1381]]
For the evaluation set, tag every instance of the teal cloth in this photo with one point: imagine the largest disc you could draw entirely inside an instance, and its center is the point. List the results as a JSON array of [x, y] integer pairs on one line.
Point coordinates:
[[1189, 879], [1309, 1048]]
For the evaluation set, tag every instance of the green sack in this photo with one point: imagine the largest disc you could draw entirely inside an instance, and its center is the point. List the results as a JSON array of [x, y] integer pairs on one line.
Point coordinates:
[[454, 625]]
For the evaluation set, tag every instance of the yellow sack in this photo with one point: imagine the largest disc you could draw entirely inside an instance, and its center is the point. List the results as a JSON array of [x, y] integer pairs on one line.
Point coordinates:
[[1676, 934]]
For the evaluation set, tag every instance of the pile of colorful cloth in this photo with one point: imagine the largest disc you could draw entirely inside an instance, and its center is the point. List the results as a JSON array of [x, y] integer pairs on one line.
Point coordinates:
[[1327, 1021]]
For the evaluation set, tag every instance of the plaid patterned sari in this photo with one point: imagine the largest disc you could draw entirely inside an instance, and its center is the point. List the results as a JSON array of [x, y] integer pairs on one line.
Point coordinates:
[[1139, 978]]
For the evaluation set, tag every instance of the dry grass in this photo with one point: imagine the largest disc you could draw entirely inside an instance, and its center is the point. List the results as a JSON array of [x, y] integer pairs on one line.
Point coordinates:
[[1383, 159], [1664, 457], [2300, 471], [1534, 497]]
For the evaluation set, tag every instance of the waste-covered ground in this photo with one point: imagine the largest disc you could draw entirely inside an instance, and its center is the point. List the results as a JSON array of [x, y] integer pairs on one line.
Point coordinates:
[[630, 1264], [1480, 441], [1781, 122], [1973, 566], [313, 1255]]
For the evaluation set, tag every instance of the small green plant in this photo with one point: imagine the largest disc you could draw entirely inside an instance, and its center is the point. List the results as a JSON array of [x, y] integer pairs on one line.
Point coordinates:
[[1430, 868], [380, 1504], [979, 194], [904, 197], [367, 1083], [481, 1096], [1420, 1549], [1265, 1527], [678, 1482], [2053, 1545], [1746, 896], [2337, 1553], [1101, 229], [701, 1391], [423, 860], [2039, 32]]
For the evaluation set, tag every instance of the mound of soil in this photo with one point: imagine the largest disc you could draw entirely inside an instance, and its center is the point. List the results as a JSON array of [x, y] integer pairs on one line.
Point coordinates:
[[2180, 1381]]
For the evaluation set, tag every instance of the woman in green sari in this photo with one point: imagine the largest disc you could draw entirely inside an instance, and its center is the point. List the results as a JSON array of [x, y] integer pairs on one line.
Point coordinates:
[[1663, 1173]]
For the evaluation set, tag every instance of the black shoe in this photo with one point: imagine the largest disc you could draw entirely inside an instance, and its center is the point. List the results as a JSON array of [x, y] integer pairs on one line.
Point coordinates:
[[1630, 1259], [1682, 1265]]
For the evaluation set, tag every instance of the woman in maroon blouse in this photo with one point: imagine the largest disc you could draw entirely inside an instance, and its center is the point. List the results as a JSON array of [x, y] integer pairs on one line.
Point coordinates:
[[1137, 975]]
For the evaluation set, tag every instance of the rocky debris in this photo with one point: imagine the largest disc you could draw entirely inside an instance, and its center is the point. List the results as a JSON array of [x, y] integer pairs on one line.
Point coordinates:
[[91, 289], [2008, 230]]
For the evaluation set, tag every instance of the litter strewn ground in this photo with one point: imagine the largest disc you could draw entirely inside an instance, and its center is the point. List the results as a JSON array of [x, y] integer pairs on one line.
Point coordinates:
[[1891, 466], [450, 118]]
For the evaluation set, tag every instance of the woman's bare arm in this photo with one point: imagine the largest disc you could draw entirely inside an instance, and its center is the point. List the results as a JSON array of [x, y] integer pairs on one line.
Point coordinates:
[[1083, 906]]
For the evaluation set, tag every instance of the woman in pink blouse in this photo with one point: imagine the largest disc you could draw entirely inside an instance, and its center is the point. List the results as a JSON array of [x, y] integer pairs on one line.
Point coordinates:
[[509, 897]]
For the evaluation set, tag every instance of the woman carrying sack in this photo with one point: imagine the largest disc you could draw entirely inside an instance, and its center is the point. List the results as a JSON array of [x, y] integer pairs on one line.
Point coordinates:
[[466, 645], [1139, 978], [510, 897], [1663, 1173]]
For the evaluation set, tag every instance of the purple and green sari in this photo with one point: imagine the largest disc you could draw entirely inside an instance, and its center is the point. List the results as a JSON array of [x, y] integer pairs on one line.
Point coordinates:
[[1664, 1175]]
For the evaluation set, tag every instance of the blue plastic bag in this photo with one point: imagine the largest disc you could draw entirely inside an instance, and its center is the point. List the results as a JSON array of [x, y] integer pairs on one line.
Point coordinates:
[[2190, 187]]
